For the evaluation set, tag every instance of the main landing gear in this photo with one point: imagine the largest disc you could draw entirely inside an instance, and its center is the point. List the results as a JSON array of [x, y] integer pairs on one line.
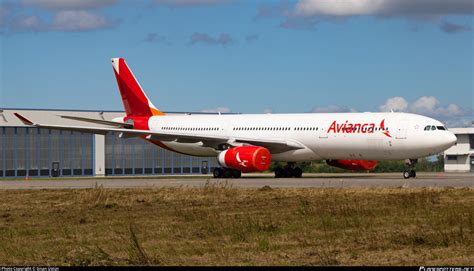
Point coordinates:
[[288, 171], [220, 172], [410, 170]]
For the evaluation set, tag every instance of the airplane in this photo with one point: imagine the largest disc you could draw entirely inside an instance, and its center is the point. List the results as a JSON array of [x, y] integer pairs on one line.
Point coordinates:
[[251, 142]]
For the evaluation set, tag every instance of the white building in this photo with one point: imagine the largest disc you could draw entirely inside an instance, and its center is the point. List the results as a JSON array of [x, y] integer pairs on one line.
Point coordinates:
[[460, 157]]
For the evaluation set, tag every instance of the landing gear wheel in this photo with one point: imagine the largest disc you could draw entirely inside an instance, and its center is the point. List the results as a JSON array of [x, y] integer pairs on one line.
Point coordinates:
[[236, 173], [288, 172], [297, 172], [228, 173], [406, 174], [218, 172], [410, 168], [279, 172]]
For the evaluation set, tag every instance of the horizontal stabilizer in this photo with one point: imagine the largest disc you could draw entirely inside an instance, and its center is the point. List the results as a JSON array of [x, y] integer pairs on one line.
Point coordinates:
[[23, 119]]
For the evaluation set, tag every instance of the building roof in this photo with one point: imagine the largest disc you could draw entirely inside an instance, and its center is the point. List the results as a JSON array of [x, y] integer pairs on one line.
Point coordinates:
[[105, 111], [459, 131], [457, 152]]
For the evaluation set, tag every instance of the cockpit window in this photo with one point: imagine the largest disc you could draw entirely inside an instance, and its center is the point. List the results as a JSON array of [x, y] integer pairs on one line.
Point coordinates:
[[434, 128]]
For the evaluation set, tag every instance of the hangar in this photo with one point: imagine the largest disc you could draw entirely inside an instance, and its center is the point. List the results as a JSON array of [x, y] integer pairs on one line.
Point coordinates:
[[460, 157], [30, 151]]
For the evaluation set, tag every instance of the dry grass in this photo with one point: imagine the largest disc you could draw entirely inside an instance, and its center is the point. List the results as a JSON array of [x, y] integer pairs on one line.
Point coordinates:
[[221, 225]]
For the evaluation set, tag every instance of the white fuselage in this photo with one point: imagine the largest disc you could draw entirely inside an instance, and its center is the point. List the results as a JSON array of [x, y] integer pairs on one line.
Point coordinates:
[[363, 136]]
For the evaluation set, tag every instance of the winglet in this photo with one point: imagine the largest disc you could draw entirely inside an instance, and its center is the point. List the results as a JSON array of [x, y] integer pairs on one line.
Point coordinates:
[[23, 119]]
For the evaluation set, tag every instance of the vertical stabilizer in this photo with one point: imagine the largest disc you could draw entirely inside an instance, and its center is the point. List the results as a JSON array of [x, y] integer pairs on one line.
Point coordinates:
[[134, 99]]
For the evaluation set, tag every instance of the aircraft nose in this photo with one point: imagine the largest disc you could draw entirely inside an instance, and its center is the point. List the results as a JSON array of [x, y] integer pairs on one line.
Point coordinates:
[[449, 140], [452, 139]]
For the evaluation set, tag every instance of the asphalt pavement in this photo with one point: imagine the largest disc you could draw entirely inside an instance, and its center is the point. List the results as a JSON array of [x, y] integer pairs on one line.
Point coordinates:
[[368, 180]]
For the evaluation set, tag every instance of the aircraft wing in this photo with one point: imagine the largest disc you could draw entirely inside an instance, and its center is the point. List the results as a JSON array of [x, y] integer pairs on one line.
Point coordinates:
[[102, 122], [274, 145]]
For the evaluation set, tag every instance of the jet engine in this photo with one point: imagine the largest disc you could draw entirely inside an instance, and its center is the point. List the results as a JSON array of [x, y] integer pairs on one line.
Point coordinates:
[[245, 158], [353, 164]]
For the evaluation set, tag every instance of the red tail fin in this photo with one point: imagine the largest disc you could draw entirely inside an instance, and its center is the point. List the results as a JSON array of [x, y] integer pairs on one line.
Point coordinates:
[[135, 101]]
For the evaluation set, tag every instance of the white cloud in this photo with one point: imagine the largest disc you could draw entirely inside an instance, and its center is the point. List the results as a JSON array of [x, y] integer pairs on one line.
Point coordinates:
[[395, 104], [217, 110], [429, 105], [306, 14], [4, 11], [28, 23], [223, 39], [69, 4], [58, 15], [452, 114], [337, 7], [425, 105], [452, 28], [155, 38], [383, 7], [450, 110], [268, 111], [251, 38], [81, 20]]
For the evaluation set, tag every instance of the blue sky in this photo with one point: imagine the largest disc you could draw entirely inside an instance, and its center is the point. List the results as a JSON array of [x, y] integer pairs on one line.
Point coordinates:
[[243, 56]]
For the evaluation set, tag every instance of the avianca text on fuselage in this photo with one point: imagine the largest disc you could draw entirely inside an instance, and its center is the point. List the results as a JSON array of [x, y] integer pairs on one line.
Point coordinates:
[[356, 128]]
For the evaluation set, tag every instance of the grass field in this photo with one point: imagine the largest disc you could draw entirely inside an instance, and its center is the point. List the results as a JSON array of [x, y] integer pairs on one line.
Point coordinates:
[[221, 225]]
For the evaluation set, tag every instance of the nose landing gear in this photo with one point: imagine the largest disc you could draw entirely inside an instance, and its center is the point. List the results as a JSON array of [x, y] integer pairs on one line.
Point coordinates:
[[410, 171]]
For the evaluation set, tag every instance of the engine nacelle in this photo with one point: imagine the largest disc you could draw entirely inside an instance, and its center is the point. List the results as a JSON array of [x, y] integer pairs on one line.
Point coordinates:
[[245, 158], [353, 164]]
